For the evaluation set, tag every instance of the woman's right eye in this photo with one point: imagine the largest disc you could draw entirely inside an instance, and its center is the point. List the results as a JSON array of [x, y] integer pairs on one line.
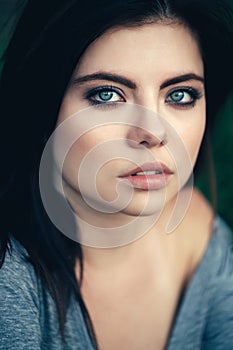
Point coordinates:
[[104, 95]]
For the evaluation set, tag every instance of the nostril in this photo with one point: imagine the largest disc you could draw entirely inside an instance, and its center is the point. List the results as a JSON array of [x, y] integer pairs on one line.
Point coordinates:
[[144, 143], [164, 141], [147, 137], [150, 141]]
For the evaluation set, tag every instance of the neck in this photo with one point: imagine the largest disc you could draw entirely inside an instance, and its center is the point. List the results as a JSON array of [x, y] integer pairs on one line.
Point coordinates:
[[134, 242], [110, 240]]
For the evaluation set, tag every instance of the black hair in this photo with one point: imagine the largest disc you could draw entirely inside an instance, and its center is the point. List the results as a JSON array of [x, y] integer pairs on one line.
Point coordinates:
[[49, 40]]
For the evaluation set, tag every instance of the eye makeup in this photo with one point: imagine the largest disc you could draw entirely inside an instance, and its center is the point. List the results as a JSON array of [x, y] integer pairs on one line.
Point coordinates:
[[183, 97], [104, 96]]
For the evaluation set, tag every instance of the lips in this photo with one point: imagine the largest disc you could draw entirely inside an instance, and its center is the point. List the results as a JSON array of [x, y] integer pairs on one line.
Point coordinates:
[[149, 168], [149, 176]]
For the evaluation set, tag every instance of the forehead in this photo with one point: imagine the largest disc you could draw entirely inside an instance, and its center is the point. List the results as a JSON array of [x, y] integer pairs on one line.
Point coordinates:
[[153, 48]]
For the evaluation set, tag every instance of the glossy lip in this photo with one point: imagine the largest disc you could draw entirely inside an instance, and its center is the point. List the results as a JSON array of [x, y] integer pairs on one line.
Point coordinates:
[[149, 181]]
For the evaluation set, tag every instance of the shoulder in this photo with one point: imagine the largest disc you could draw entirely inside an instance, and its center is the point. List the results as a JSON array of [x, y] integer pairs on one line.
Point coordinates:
[[19, 304], [16, 273], [219, 325], [200, 227], [195, 231], [28, 314]]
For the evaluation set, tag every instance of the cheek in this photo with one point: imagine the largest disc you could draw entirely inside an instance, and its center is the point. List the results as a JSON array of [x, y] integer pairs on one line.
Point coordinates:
[[192, 137], [71, 105], [91, 150], [189, 127], [75, 162], [77, 152]]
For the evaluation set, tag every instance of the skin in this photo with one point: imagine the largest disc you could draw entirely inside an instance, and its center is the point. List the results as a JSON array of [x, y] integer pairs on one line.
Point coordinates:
[[106, 55], [150, 56]]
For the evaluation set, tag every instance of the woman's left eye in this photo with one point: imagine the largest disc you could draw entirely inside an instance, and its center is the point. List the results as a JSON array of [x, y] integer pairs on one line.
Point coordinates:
[[104, 95], [183, 97]]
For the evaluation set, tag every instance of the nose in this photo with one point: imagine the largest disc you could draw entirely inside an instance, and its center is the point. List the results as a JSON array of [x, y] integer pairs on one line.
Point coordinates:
[[148, 130]]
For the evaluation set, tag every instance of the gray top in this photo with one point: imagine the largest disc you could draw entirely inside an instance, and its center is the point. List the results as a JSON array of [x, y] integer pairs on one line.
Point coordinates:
[[203, 320]]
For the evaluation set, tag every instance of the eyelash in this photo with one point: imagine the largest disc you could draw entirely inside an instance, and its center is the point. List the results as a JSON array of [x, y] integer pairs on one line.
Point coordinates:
[[90, 94], [100, 89], [193, 93]]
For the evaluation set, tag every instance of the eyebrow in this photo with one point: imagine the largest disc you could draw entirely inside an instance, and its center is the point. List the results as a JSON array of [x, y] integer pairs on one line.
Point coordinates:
[[181, 79], [131, 84], [106, 76]]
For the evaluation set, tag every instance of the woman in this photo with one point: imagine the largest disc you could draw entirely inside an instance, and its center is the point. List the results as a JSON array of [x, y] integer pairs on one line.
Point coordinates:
[[105, 109]]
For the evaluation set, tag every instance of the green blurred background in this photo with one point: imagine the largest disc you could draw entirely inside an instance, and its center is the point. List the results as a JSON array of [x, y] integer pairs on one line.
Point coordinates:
[[222, 135]]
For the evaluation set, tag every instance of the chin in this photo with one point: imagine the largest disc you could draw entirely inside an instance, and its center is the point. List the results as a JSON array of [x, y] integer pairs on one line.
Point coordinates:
[[146, 205]]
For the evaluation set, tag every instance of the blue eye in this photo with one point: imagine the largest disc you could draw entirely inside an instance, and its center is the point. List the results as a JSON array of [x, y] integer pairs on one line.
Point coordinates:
[[104, 95], [183, 97], [177, 96]]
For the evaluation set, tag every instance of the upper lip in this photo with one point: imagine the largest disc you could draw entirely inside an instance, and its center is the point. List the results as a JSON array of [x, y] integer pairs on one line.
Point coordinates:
[[155, 166]]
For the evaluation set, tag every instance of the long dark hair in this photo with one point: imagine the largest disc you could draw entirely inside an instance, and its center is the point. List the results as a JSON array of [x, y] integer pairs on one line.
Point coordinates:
[[48, 42]]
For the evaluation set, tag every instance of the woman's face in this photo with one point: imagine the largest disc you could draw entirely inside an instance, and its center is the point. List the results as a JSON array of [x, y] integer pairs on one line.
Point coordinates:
[[151, 154]]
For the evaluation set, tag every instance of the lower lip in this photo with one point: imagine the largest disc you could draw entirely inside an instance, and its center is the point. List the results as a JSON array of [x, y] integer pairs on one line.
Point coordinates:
[[149, 182]]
